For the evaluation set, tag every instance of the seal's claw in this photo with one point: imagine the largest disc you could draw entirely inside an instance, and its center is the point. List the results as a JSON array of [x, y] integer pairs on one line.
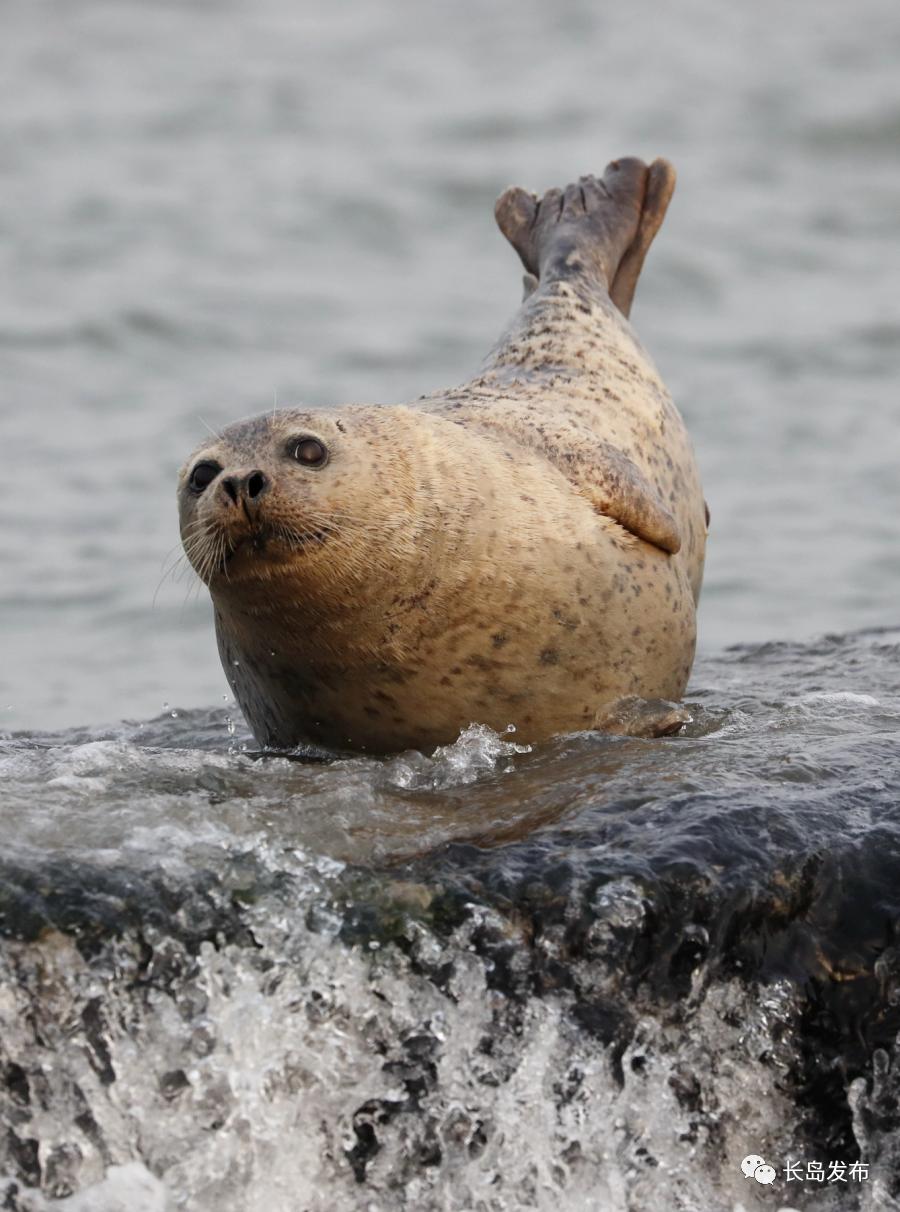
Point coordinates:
[[573, 202], [625, 181], [550, 208], [594, 191]]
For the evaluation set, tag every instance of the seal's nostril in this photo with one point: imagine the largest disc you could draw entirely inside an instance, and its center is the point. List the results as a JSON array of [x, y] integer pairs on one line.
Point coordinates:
[[230, 485], [256, 482]]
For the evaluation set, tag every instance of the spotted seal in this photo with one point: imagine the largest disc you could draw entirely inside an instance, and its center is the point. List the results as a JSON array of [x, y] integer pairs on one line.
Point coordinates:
[[525, 549]]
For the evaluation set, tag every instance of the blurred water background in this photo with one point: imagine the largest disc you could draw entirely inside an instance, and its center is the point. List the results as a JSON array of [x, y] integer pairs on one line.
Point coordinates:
[[595, 974], [211, 206]]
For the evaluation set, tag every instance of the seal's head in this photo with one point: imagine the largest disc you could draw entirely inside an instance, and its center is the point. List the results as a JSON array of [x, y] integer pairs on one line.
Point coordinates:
[[305, 497]]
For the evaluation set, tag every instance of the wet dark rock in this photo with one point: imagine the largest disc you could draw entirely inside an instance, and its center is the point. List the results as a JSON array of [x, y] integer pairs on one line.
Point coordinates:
[[672, 973]]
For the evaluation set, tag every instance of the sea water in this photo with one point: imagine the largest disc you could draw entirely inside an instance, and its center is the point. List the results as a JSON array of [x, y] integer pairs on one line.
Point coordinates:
[[597, 973]]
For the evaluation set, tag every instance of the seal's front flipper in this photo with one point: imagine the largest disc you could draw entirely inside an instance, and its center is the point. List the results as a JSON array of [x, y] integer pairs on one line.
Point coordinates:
[[617, 488], [593, 230], [633, 716]]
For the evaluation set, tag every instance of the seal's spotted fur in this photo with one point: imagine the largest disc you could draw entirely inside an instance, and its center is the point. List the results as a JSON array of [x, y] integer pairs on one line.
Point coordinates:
[[525, 549]]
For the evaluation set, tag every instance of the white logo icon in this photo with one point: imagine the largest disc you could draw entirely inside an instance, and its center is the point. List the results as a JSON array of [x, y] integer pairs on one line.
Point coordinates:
[[757, 1167]]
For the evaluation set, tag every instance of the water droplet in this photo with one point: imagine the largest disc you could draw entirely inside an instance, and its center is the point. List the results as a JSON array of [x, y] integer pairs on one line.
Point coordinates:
[[510, 727], [174, 715], [229, 724], [235, 663]]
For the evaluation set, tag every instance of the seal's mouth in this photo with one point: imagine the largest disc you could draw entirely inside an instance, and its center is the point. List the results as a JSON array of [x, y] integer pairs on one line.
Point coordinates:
[[217, 550], [271, 542]]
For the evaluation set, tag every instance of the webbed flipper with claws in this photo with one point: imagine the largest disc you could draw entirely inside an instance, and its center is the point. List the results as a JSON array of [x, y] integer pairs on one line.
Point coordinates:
[[598, 231]]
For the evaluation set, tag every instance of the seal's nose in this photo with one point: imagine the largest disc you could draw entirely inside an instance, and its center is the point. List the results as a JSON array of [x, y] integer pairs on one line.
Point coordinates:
[[245, 488], [255, 484]]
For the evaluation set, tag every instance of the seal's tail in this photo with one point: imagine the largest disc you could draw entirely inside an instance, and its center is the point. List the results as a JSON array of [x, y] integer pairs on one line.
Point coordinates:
[[598, 231]]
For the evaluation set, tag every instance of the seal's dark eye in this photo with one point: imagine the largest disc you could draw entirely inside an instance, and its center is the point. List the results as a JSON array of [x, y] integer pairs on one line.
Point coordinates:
[[310, 452], [202, 476]]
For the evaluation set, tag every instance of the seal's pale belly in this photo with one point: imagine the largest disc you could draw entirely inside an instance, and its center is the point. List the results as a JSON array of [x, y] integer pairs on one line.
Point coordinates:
[[526, 549]]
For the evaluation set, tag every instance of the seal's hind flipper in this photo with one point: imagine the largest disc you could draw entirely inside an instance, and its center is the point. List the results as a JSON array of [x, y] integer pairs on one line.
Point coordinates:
[[660, 187], [595, 231], [618, 489]]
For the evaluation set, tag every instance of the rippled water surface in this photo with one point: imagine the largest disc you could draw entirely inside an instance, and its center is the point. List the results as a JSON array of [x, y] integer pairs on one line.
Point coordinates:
[[210, 206], [595, 973]]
